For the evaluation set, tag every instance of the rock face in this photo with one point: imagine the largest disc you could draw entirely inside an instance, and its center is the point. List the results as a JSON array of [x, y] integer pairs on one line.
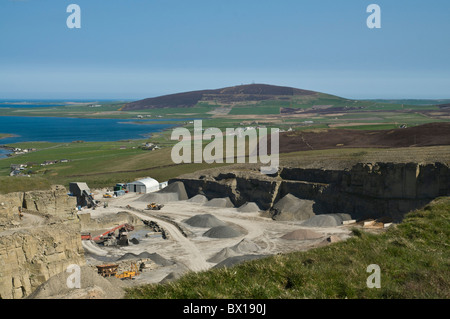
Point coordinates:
[[41, 243], [29, 257], [9, 204], [55, 202], [366, 190]]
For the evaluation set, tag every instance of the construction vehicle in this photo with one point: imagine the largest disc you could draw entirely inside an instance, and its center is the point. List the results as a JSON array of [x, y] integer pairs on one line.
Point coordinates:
[[123, 229], [110, 270], [86, 236], [134, 271], [107, 270], [154, 206]]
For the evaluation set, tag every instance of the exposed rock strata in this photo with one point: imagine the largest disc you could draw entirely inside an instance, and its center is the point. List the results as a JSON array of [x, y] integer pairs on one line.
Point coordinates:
[[366, 190], [41, 243]]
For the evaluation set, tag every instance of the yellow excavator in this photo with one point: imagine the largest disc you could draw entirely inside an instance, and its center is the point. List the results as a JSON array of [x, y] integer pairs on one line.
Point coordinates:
[[154, 206]]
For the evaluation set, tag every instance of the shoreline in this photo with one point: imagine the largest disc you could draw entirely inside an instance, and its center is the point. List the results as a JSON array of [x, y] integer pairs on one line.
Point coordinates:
[[171, 124], [6, 135]]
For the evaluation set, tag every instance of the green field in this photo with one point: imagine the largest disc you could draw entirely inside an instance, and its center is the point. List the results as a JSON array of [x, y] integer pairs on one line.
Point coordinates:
[[23, 184], [101, 164], [106, 163], [413, 258], [205, 109]]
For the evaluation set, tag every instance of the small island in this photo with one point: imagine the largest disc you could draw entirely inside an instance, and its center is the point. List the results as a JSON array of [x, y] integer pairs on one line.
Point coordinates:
[[5, 135]]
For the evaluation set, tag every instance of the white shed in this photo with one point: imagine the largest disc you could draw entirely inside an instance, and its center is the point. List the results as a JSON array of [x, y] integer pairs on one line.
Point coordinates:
[[146, 185]]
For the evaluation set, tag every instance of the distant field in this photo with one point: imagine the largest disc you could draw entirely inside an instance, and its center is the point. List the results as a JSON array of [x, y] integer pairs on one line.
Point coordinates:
[[23, 184], [101, 164], [104, 164]]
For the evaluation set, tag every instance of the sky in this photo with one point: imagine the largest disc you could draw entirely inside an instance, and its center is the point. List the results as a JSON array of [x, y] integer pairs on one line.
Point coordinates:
[[133, 49]]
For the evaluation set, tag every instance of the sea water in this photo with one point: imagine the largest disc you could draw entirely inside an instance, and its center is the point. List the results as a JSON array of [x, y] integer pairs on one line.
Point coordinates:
[[66, 130]]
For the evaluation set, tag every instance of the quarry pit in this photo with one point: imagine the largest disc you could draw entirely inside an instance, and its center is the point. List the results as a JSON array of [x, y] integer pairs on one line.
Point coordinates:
[[209, 219]]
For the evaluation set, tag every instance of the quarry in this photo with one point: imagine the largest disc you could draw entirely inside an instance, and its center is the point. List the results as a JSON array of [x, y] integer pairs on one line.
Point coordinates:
[[200, 221]]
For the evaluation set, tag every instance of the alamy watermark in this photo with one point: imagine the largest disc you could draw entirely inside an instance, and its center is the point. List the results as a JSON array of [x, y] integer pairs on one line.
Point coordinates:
[[374, 280], [374, 20], [74, 19], [251, 143], [74, 279]]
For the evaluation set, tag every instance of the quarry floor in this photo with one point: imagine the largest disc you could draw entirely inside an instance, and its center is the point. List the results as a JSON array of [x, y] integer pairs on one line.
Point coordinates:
[[191, 252]]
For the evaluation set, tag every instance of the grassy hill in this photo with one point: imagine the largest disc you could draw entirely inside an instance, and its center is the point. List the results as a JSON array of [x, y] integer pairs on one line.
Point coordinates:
[[413, 258], [241, 94]]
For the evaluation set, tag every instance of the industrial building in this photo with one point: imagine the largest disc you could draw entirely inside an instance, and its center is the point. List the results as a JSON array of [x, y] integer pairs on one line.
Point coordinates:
[[146, 185]]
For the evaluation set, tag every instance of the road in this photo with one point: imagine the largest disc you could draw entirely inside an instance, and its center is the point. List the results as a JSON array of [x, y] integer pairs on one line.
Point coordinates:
[[196, 261]]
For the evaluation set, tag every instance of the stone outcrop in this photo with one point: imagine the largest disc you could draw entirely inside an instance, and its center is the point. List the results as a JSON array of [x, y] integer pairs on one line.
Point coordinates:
[[9, 207], [54, 202], [29, 257], [366, 190], [40, 243]]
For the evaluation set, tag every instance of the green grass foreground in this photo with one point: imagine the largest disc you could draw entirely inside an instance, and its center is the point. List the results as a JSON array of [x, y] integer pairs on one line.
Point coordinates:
[[414, 259], [23, 184]]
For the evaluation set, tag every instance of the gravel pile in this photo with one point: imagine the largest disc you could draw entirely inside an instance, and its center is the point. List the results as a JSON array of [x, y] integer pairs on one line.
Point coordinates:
[[291, 208], [220, 203], [222, 255], [326, 220], [201, 199], [172, 193], [160, 198], [156, 258], [204, 221], [222, 232], [177, 188], [302, 234], [232, 261], [249, 207], [244, 247], [93, 286], [174, 275]]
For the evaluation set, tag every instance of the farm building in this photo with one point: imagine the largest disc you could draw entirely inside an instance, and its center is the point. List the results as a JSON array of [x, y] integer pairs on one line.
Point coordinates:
[[146, 185]]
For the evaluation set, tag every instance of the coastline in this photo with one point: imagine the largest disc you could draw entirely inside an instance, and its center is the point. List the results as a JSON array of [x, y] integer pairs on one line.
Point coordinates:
[[5, 136]]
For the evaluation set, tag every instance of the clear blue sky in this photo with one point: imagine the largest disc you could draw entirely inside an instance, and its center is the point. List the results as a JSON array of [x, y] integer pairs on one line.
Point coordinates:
[[142, 48]]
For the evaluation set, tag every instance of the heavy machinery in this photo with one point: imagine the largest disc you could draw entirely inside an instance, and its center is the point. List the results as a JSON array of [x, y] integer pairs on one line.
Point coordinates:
[[86, 236], [110, 270], [83, 194], [154, 206], [129, 274], [110, 234], [107, 270]]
